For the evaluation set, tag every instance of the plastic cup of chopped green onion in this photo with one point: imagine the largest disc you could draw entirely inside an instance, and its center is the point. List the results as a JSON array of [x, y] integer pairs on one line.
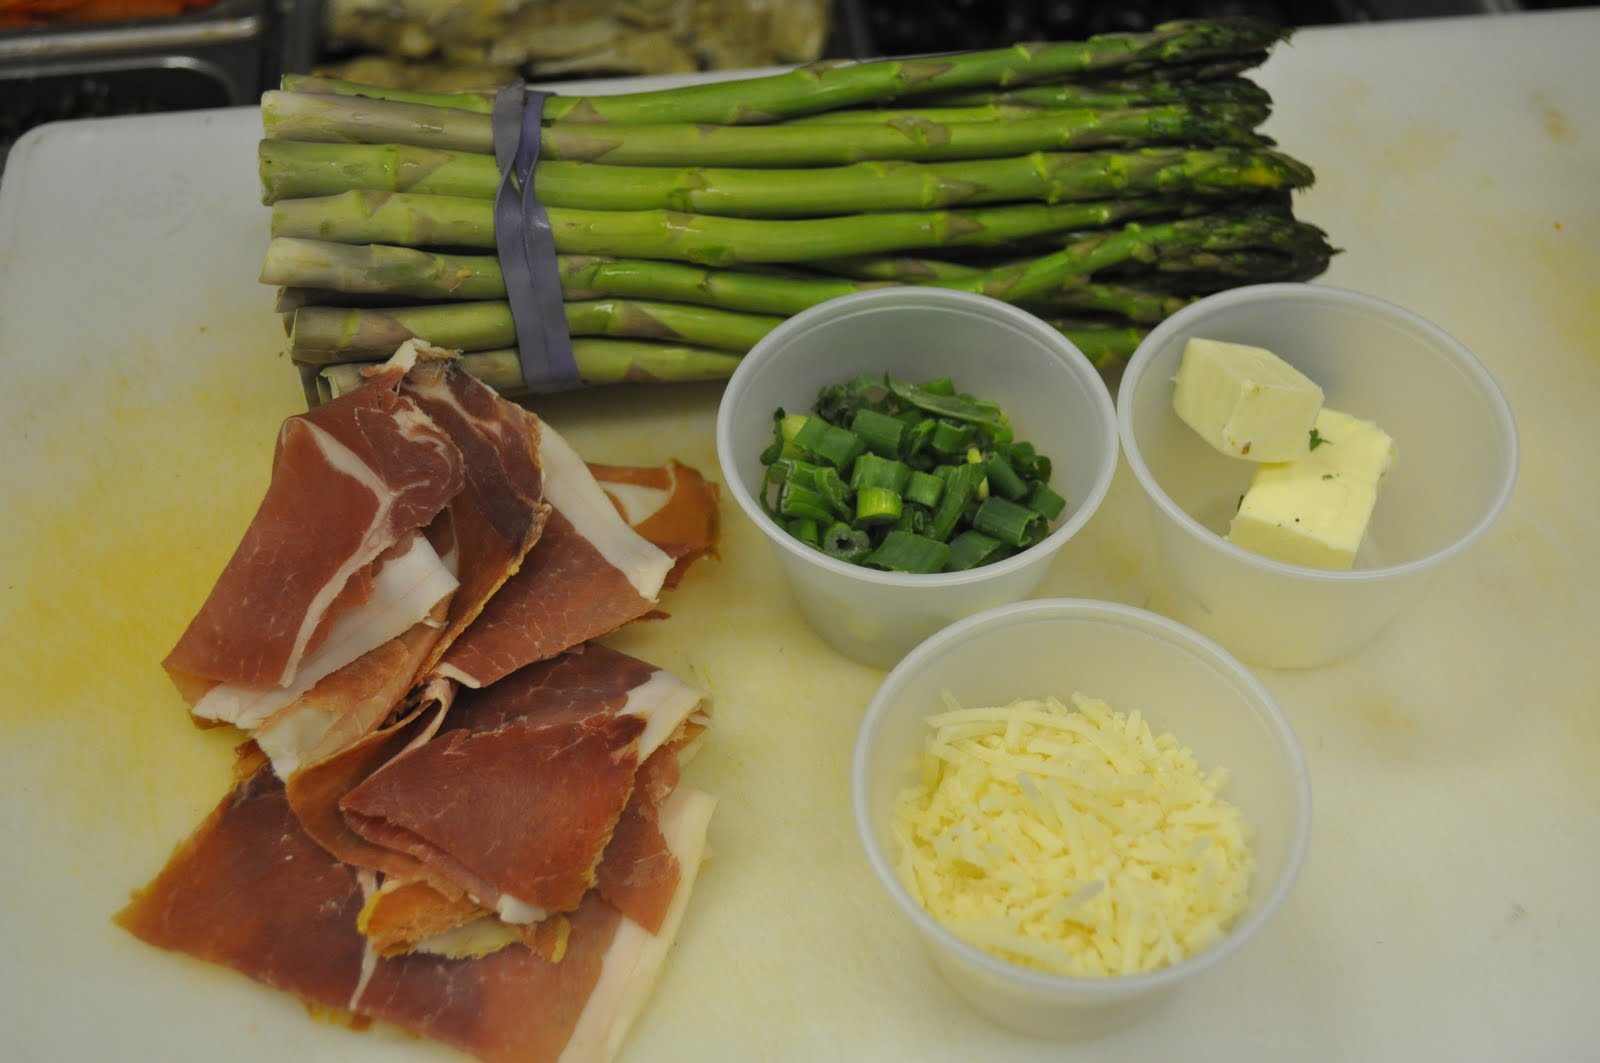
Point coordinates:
[[1050, 397]]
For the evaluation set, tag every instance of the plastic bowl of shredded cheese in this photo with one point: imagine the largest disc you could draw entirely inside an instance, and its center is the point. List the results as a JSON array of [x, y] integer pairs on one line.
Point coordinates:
[[1081, 806]]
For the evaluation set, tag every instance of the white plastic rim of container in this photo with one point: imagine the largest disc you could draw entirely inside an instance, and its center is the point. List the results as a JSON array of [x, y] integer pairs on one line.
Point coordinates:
[[1133, 659], [1053, 396], [1453, 477]]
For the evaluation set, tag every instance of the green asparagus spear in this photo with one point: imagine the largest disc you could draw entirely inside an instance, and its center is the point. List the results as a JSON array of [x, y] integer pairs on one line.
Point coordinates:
[[599, 361], [342, 119], [451, 221], [827, 86], [297, 169], [329, 334]]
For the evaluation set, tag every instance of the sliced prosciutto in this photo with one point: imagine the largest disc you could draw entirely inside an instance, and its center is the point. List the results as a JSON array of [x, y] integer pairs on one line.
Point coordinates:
[[251, 892], [637, 874], [351, 481], [349, 704], [514, 1006], [314, 792], [589, 575], [501, 511], [671, 505], [555, 750]]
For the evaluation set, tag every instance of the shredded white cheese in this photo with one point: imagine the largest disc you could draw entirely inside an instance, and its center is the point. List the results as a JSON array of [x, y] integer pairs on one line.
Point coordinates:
[[1071, 839]]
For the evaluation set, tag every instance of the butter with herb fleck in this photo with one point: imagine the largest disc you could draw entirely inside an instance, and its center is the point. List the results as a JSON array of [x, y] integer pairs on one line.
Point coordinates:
[[1245, 401], [1315, 511]]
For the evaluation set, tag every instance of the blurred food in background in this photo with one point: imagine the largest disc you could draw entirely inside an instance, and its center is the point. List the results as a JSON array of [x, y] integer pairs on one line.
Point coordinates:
[[438, 44], [26, 13]]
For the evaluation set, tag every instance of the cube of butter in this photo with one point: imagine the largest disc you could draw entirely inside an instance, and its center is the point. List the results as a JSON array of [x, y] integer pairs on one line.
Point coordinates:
[[1315, 511], [1245, 401]]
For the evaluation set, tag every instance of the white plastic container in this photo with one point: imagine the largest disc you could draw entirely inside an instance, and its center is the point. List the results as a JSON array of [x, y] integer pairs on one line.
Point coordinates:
[[1456, 465], [1134, 660], [1053, 396]]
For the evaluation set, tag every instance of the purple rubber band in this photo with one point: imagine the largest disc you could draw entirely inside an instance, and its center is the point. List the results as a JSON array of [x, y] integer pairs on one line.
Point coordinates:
[[527, 247]]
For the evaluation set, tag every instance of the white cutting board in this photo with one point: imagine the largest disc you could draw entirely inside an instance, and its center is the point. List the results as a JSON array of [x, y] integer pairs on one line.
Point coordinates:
[[1445, 911]]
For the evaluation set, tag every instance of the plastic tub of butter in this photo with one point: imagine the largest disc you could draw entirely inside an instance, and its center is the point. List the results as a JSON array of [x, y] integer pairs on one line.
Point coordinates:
[[1455, 467], [1052, 395], [1136, 662]]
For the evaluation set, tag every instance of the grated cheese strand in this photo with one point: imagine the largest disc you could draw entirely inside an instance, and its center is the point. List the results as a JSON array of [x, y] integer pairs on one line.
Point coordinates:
[[1071, 838]]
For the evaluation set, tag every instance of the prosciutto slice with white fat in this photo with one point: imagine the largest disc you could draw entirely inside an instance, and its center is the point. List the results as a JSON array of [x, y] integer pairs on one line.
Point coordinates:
[[500, 512], [583, 1004], [351, 481], [555, 749], [251, 891], [671, 505], [590, 575]]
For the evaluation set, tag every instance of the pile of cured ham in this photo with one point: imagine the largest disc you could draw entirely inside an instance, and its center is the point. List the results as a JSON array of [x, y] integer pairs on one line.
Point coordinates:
[[456, 813]]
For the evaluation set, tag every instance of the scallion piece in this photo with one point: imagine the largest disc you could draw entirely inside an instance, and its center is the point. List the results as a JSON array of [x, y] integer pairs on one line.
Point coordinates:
[[1003, 479], [837, 446], [914, 519], [796, 470], [961, 487], [914, 445], [903, 551], [924, 488], [1046, 502], [831, 486], [870, 470], [951, 437], [957, 407], [1005, 520], [806, 530], [973, 548], [846, 543], [876, 505], [795, 501], [881, 433]]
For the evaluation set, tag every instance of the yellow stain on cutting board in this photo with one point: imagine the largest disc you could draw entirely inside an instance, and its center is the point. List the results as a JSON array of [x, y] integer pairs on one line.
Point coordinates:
[[123, 507]]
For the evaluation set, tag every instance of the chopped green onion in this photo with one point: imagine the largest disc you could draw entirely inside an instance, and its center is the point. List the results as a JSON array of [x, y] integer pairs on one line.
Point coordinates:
[[796, 470], [915, 444], [1003, 479], [914, 519], [951, 437], [831, 486], [973, 548], [881, 433], [797, 501], [1005, 520], [870, 470], [961, 486], [1046, 502], [837, 446], [924, 488], [846, 543], [903, 551], [1029, 463], [877, 505], [957, 407], [806, 530], [907, 477]]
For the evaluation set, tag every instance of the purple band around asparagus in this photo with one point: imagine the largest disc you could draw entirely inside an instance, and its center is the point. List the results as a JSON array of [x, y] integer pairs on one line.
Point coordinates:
[[527, 247]]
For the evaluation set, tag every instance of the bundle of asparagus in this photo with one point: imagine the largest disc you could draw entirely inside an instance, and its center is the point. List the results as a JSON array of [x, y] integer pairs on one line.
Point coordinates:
[[1100, 184]]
